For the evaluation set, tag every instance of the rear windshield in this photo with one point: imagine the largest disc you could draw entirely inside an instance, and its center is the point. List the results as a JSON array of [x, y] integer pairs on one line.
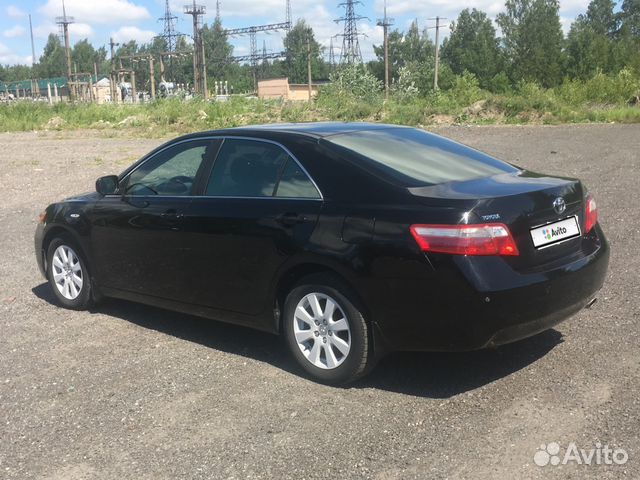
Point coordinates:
[[416, 158]]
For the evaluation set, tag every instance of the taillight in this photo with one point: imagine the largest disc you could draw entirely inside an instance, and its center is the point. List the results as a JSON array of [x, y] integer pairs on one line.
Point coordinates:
[[591, 214], [42, 218], [475, 239]]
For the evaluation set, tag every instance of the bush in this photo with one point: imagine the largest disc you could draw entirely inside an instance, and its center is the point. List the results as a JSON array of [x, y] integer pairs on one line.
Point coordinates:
[[466, 89], [353, 93]]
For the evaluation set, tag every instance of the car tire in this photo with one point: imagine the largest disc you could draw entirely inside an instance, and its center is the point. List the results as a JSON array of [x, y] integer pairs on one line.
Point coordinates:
[[330, 339], [68, 273]]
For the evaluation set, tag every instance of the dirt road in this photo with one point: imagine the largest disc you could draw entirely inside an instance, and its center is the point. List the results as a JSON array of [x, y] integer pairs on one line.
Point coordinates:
[[132, 392]]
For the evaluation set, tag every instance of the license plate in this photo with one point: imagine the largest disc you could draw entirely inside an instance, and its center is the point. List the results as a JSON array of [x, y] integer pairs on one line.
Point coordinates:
[[548, 235]]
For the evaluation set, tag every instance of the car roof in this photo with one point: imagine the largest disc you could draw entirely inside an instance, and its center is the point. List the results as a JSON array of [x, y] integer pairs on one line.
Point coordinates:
[[312, 129]]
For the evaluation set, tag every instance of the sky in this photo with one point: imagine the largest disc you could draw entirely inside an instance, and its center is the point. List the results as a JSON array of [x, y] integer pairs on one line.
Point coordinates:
[[125, 20]]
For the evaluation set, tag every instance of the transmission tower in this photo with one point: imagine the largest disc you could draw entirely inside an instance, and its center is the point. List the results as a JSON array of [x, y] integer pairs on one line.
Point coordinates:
[[218, 10], [350, 45], [199, 66], [63, 22], [288, 16], [169, 28]]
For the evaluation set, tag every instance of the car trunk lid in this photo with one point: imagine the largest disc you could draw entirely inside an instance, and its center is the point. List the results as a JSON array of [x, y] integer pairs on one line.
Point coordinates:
[[523, 201]]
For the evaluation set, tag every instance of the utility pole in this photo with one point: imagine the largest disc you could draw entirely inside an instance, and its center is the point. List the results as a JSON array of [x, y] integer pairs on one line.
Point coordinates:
[[64, 22], [435, 74], [152, 78], [113, 76], [309, 66], [332, 57], [199, 66], [385, 23], [33, 49]]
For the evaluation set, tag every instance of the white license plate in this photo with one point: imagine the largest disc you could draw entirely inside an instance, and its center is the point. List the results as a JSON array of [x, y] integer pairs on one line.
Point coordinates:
[[555, 232]]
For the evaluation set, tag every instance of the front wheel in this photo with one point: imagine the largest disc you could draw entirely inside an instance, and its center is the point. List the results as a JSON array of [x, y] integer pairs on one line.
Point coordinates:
[[326, 332], [68, 274]]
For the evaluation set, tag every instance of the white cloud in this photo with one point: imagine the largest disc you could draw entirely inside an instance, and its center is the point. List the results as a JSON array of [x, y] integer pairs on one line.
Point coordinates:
[[100, 11], [77, 31], [80, 30], [16, 31], [15, 12], [126, 34], [8, 57]]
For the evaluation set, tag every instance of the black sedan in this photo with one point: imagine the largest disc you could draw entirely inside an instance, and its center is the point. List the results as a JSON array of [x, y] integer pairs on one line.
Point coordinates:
[[351, 240]]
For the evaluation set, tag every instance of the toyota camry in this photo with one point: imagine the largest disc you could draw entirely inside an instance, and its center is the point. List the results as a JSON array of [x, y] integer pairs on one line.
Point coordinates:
[[351, 240]]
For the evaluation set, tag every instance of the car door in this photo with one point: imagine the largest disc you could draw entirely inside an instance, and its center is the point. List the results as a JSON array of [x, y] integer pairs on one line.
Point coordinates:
[[258, 208], [137, 236]]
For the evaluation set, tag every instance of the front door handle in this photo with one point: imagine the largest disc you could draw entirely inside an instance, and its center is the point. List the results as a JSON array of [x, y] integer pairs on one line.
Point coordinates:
[[171, 219], [290, 219]]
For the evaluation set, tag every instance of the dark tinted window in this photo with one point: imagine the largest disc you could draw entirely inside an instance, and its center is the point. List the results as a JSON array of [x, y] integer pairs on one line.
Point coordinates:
[[414, 158], [294, 183], [246, 168], [169, 172]]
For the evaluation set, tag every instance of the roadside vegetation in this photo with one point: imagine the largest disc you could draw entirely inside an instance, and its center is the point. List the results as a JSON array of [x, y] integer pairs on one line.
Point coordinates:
[[353, 95], [533, 73]]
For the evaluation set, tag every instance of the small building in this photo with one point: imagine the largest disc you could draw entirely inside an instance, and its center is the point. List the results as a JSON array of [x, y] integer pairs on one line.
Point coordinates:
[[281, 88], [102, 91]]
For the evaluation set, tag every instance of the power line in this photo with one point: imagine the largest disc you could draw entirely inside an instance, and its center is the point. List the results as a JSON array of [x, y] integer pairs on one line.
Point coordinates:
[[254, 57]]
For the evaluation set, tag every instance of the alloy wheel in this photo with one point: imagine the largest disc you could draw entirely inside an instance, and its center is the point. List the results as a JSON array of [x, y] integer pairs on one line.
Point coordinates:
[[67, 272], [321, 330]]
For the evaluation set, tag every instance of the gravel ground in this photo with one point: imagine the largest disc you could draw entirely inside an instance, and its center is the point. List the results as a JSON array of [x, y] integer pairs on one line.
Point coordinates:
[[129, 391]]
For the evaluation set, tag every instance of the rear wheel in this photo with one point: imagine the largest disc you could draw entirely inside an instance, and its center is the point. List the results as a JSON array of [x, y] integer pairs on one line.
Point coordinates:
[[68, 273], [325, 330]]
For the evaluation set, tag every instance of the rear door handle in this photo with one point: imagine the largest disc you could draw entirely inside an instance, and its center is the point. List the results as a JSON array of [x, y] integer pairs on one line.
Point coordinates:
[[291, 219]]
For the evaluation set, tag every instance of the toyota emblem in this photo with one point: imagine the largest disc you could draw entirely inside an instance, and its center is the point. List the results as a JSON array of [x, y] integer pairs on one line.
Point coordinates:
[[559, 205]]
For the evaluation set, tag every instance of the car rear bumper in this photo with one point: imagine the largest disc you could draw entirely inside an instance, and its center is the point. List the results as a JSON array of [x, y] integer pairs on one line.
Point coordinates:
[[482, 302]]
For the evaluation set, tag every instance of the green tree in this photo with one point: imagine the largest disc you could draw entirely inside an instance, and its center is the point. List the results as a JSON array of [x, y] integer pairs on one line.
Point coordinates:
[[630, 17], [533, 40], [84, 56], [473, 46], [414, 50], [217, 50], [52, 62], [296, 44]]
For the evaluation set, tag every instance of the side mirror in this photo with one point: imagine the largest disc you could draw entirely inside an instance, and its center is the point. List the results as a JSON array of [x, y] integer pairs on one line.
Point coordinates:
[[107, 185]]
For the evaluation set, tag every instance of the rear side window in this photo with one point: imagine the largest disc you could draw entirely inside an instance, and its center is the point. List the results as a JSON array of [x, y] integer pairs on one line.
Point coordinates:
[[294, 183], [253, 168], [415, 158]]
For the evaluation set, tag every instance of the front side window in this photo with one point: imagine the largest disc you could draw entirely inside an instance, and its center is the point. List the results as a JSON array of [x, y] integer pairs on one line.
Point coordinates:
[[171, 172], [253, 168]]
